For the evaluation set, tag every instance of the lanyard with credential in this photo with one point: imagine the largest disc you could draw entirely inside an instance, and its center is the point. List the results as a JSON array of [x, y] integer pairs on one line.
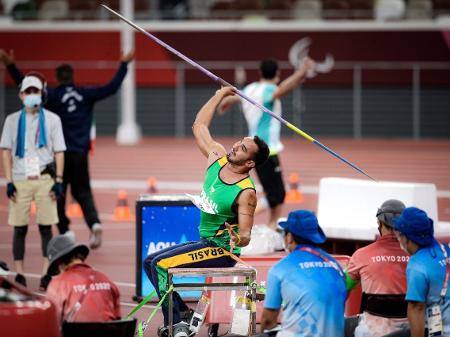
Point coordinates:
[[333, 264], [447, 274]]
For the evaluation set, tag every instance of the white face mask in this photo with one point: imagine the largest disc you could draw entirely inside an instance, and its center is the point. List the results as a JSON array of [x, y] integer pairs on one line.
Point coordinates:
[[32, 100]]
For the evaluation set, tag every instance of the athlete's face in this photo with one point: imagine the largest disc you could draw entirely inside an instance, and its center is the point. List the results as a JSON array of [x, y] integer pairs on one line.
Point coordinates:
[[243, 152]]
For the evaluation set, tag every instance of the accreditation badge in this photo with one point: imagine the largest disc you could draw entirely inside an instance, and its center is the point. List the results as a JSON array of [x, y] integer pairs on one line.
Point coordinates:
[[32, 169], [434, 321]]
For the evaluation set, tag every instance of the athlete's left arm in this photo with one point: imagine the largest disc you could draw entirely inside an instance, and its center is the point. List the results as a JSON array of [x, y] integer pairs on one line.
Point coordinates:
[[200, 128], [246, 205]]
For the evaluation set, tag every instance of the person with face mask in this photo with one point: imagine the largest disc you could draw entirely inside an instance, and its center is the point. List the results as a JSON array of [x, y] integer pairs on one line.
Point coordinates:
[[309, 284], [427, 274], [381, 269], [74, 104], [33, 162]]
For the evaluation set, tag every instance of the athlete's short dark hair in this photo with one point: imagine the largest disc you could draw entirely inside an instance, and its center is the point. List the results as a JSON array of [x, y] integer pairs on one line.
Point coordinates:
[[64, 74], [262, 154], [268, 68]]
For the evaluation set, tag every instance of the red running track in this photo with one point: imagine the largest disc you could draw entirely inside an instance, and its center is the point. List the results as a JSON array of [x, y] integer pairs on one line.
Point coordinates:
[[178, 160]]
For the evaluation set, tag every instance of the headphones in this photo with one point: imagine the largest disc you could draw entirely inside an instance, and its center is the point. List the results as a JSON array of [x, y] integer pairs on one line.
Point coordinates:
[[44, 93]]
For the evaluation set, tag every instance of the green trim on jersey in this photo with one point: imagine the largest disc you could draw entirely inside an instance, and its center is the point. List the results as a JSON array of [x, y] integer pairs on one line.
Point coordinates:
[[221, 196]]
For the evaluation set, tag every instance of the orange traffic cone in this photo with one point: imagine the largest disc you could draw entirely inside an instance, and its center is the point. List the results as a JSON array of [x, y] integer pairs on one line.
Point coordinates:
[[122, 210], [151, 185], [33, 207], [293, 195], [74, 210]]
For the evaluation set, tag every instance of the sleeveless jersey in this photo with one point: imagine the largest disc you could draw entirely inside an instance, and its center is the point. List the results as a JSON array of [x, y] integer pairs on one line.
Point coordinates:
[[220, 198]]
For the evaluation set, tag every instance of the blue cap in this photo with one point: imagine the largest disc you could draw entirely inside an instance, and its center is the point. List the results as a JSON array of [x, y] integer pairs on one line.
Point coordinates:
[[304, 224], [415, 225]]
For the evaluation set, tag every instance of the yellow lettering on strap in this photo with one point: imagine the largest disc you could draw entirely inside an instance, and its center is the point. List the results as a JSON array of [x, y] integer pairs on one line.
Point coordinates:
[[208, 253]]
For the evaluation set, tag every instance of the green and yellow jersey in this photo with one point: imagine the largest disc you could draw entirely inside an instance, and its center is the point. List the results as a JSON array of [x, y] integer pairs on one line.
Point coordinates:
[[220, 198]]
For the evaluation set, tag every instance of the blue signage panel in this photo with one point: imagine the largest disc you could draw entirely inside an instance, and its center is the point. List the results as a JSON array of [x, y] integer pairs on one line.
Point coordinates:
[[163, 225]]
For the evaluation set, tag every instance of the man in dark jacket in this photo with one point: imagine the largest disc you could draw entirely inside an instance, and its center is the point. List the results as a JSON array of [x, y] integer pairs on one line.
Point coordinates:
[[75, 105]]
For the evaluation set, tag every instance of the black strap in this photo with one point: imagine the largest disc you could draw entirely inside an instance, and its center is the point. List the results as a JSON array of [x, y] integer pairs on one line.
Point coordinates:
[[384, 305]]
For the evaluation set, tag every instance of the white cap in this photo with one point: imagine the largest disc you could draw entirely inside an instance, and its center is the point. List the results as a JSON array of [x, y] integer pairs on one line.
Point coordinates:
[[30, 81]]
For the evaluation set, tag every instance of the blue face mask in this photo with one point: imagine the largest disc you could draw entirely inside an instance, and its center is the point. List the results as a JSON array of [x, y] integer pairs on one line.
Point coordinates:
[[32, 101]]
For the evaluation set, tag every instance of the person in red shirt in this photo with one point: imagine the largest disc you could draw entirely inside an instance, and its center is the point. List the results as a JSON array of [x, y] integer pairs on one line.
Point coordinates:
[[381, 269], [80, 293]]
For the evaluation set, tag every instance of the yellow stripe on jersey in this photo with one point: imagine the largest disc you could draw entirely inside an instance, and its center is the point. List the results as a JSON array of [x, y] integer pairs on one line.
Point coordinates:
[[223, 161], [246, 183], [208, 253]]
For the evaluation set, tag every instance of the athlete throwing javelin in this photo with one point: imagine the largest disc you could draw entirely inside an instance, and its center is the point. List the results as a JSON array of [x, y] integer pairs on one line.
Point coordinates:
[[227, 203]]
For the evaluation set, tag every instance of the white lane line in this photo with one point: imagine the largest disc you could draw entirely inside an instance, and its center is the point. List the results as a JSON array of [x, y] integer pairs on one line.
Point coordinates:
[[38, 276], [141, 185], [104, 244]]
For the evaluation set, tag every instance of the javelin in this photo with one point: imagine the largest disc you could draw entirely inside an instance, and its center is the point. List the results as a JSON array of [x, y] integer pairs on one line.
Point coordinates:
[[238, 92]]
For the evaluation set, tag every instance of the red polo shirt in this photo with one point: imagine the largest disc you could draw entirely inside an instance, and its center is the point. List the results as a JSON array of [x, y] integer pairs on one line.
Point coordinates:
[[101, 302], [380, 266]]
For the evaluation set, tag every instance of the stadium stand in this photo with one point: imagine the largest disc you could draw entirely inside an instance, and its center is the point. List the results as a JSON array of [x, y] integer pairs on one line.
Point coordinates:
[[234, 9]]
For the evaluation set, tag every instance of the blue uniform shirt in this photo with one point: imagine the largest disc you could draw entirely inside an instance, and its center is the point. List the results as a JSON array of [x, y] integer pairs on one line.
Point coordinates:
[[425, 276], [74, 105], [313, 294]]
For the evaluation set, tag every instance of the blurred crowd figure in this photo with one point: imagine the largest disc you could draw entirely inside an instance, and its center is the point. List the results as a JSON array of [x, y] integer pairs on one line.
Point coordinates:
[[75, 106], [80, 293], [33, 162], [268, 93], [427, 275], [308, 284], [380, 268]]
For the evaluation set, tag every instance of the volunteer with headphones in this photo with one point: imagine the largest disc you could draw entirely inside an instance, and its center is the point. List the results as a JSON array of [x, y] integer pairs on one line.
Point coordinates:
[[33, 161]]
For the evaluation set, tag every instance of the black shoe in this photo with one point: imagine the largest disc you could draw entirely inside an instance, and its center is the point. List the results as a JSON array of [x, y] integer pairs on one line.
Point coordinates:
[[180, 329], [163, 331], [45, 280], [21, 280], [187, 315]]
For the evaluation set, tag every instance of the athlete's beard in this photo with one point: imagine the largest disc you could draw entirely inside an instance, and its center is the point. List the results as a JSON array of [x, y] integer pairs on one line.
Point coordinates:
[[233, 161]]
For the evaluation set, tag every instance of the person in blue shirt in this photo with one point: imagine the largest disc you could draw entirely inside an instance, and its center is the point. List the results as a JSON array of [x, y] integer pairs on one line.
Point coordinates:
[[425, 273], [308, 284], [74, 105]]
